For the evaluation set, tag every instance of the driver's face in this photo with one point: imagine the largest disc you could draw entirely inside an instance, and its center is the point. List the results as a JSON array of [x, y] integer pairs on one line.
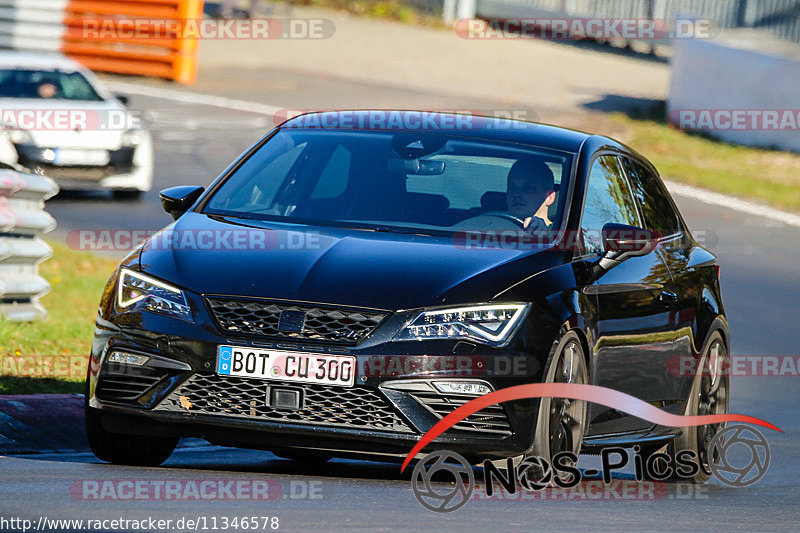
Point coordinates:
[[524, 196], [46, 90]]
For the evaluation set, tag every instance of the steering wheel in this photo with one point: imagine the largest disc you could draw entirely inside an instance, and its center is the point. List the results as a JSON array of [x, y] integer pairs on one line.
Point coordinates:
[[505, 216]]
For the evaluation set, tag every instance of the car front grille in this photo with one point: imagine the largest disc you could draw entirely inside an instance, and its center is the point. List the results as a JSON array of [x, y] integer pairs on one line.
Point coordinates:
[[120, 161], [302, 322], [76, 172], [489, 420], [321, 405]]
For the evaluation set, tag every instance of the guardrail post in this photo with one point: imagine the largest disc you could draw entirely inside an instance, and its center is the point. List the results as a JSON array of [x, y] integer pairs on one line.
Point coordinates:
[[466, 9], [741, 14], [22, 220], [449, 12]]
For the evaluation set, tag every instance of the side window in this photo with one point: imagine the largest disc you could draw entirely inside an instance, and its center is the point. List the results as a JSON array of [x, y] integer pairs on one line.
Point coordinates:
[[653, 199], [608, 199], [333, 180]]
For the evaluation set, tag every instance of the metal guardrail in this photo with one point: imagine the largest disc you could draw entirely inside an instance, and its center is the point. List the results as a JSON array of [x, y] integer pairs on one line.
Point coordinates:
[[22, 220], [122, 36]]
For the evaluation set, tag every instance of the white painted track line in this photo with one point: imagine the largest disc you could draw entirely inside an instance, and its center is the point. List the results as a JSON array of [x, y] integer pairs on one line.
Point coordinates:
[[731, 202], [188, 97], [696, 193]]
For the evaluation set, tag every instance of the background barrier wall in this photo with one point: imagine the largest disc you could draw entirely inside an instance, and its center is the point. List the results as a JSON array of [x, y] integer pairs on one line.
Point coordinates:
[[781, 17], [730, 75], [22, 220], [100, 34]]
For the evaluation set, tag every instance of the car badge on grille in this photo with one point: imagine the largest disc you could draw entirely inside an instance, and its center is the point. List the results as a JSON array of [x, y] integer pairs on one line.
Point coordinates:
[[293, 321]]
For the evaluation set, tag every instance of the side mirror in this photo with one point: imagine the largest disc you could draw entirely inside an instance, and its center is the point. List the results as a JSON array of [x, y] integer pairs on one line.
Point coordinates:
[[177, 200], [123, 99], [621, 242]]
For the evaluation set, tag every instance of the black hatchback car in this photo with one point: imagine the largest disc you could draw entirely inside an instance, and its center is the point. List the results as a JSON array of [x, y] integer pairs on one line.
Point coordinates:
[[354, 277]]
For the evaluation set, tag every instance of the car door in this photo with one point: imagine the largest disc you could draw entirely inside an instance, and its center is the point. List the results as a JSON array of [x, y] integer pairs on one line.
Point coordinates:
[[634, 332], [659, 215]]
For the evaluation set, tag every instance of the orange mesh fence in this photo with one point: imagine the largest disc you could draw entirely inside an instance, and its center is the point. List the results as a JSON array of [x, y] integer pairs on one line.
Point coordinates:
[[141, 37]]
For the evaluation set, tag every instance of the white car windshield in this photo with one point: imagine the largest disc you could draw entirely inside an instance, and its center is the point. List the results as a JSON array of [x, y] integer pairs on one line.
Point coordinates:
[[46, 84]]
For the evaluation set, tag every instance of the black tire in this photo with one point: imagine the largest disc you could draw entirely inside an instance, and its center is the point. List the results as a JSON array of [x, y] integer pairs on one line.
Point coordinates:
[[302, 456], [126, 195], [561, 423], [710, 394], [119, 449]]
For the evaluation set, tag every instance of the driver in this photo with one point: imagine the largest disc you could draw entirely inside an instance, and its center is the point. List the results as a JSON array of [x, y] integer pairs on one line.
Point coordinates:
[[46, 90], [530, 191]]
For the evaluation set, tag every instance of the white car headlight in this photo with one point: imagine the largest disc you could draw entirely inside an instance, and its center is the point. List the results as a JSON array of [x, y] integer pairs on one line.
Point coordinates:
[[487, 324], [132, 137], [136, 291]]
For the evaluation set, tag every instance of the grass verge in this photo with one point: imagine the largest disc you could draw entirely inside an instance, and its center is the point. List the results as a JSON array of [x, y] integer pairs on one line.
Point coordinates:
[[50, 355], [768, 176]]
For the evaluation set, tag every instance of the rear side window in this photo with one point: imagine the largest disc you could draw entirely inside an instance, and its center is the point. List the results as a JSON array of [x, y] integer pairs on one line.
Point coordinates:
[[652, 198], [608, 200], [464, 180], [467, 178]]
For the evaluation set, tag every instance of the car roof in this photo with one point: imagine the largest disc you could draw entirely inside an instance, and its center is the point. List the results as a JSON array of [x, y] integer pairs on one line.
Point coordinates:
[[464, 125], [37, 60]]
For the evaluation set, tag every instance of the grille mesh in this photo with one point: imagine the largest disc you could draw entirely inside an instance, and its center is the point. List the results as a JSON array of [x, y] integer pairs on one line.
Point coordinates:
[[124, 383], [490, 419], [323, 405], [77, 173], [263, 318]]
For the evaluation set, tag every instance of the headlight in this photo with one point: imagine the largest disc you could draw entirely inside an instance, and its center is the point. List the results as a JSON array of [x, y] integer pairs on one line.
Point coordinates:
[[132, 137], [488, 324], [135, 291]]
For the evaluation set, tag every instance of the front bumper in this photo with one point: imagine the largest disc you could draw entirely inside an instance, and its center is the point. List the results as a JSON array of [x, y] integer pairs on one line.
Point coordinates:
[[390, 407], [128, 168]]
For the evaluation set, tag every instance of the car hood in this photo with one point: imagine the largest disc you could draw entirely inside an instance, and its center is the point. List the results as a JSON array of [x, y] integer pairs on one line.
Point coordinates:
[[330, 265], [105, 122]]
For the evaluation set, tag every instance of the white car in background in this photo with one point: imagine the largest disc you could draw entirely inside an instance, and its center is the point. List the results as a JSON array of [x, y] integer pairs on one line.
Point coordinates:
[[59, 120]]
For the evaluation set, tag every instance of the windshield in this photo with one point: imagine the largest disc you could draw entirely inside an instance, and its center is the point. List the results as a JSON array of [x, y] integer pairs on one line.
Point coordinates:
[[397, 181], [46, 84]]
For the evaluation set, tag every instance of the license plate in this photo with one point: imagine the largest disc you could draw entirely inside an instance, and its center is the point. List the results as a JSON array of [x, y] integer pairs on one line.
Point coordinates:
[[72, 156], [280, 365]]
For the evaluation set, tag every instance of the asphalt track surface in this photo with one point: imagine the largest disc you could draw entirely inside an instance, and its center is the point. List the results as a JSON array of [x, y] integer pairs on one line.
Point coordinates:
[[194, 142]]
